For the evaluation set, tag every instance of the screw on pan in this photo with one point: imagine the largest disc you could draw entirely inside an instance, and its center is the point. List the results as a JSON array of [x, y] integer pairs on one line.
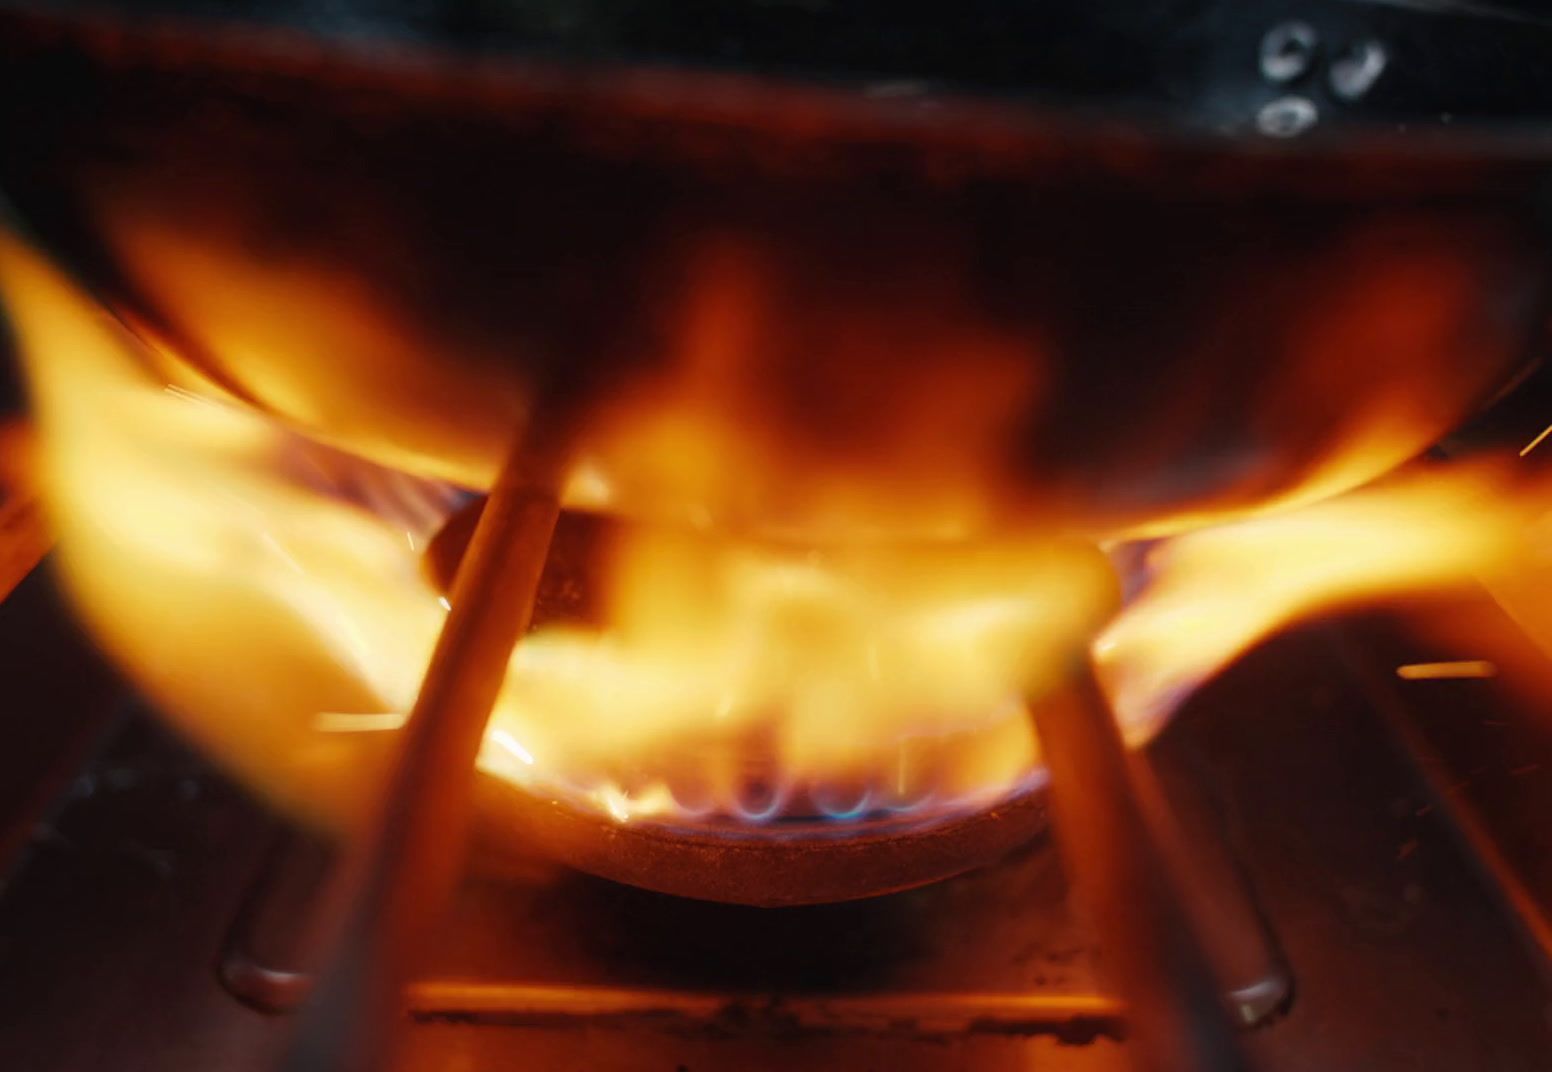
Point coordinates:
[[1286, 117], [1288, 51], [1356, 68]]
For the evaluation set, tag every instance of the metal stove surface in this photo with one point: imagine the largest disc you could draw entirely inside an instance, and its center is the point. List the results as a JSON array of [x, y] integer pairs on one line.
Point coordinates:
[[1408, 914]]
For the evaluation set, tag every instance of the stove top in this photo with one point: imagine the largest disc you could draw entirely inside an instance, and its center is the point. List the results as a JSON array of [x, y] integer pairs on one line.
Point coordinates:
[[146, 922]]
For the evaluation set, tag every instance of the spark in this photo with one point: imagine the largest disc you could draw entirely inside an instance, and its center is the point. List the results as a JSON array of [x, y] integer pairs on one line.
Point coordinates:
[[354, 722], [510, 743], [1464, 668], [1534, 443], [446, 603]]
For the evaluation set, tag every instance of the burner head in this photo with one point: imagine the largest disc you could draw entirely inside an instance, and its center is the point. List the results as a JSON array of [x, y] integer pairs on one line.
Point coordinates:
[[777, 838], [680, 687], [782, 863], [734, 720]]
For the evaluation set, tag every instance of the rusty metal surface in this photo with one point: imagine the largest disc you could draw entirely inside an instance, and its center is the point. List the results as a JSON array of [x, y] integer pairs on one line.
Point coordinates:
[[48, 663], [1401, 954], [1491, 772], [1121, 880], [995, 952], [111, 934], [111, 928], [59, 703]]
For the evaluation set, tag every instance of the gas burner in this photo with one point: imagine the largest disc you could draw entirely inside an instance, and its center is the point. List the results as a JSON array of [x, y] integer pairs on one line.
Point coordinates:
[[764, 458], [781, 862], [1346, 832]]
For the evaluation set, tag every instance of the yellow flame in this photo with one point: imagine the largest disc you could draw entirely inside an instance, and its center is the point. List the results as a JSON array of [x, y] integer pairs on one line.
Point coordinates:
[[199, 548], [882, 671], [268, 593], [1218, 591]]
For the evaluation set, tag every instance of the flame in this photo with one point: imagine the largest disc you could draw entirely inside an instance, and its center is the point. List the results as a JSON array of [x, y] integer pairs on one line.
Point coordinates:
[[890, 440], [269, 593], [1211, 594], [890, 388], [209, 558], [741, 679]]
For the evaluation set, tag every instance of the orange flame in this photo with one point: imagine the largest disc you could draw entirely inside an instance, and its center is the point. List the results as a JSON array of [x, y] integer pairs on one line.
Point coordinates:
[[863, 678], [268, 593], [1216, 592]]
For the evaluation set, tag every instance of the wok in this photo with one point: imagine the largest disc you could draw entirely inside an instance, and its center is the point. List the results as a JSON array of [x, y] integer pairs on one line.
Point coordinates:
[[1001, 265], [899, 270]]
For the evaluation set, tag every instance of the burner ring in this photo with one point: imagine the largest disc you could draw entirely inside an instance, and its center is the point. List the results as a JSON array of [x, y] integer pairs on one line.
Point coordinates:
[[806, 863]]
